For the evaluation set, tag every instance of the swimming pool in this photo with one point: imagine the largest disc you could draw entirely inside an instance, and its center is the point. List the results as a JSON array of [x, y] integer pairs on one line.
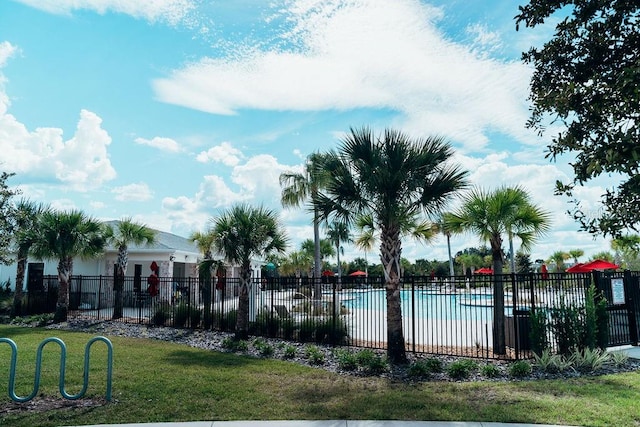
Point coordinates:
[[425, 304]]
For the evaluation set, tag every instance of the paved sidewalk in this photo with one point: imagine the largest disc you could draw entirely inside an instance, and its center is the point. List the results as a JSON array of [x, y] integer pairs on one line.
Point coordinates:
[[332, 423]]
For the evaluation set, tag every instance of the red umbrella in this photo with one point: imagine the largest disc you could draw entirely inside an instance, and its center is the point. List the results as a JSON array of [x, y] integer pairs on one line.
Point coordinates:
[[327, 273], [578, 268], [599, 264], [358, 273], [484, 270]]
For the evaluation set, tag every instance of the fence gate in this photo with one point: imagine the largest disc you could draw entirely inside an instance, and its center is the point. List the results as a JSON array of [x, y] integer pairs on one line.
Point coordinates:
[[622, 291]]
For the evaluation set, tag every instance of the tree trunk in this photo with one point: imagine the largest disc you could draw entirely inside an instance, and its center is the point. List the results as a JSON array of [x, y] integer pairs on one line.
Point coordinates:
[[118, 283], [317, 263], [242, 323], [16, 309], [451, 272], [65, 268], [499, 345], [390, 253]]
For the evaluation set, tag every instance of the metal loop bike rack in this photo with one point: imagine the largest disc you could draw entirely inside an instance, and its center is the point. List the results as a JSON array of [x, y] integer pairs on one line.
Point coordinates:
[[63, 362]]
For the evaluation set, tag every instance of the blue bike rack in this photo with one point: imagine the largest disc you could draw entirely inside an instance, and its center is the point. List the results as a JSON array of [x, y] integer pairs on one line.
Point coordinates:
[[63, 362]]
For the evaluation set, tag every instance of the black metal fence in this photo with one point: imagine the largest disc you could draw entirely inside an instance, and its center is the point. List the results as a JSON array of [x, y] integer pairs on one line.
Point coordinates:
[[447, 316]]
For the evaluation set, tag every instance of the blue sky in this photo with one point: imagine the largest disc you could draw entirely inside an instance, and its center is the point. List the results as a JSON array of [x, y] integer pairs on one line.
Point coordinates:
[[170, 110]]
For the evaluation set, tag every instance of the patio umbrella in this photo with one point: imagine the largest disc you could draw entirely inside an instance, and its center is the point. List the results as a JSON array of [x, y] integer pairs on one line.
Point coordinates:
[[578, 268], [599, 264], [484, 270], [327, 273], [358, 273]]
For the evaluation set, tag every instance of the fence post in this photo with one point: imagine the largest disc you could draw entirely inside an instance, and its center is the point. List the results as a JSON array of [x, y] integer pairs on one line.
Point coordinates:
[[413, 314], [99, 295]]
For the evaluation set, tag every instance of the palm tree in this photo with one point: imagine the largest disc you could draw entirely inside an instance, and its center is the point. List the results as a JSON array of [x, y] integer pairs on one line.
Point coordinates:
[[445, 228], [205, 240], [558, 258], [241, 233], [65, 236], [491, 215], [301, 188], [575, 254], [394, 178], [366, 238], [337, 233], [121, 235], [27, 215], [326, 249]]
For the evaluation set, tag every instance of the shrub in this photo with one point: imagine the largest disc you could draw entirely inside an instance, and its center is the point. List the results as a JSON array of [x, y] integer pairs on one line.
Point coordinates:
[[184, 313], [289, 352], [490, 370], [567, 328], [589, 360], [307, 330], [315, 356], [538, 331], [520, 369], [331, 331], [232, 344], [423, 368], [619, 358], [267, 323], [552, 363], [371, 362], [264, 348], [461, 369], [161, 313], [347, 361]]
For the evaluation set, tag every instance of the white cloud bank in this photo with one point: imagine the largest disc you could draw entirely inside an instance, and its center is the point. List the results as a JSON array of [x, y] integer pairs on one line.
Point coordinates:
[[365, 54], [163, 144], [169, 11]]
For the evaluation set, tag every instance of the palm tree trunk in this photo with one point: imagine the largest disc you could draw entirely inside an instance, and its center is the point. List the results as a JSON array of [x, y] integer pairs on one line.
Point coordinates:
[[65, 268], [242, 323], [451, 272], [118, 283], [390, 252], [17, 296], [317, 267], [499, 345]]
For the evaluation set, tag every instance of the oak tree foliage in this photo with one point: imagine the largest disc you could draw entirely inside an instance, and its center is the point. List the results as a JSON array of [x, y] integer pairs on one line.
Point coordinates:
[[587, 79]]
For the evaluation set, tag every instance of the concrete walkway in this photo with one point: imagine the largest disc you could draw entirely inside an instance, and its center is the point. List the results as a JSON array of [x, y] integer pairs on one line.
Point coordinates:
[[332, 423]]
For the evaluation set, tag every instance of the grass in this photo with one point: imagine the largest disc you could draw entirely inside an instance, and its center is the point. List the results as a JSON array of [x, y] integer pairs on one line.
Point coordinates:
[[155, 381]]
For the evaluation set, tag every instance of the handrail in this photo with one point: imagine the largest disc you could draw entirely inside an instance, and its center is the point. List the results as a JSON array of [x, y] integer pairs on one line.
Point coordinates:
[[63, 361]]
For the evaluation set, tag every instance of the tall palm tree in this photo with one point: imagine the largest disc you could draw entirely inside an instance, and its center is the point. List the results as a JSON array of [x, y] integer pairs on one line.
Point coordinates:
[[338, 233], [302, 188], [241, 233], [27, 215], [122, 234], [444, 227], [205, 241], [65, 235], [395, 179], [492, 215]]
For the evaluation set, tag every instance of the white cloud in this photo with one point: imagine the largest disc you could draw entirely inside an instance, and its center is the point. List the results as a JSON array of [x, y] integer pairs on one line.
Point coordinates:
[[82, 162], [7, 50], [169, 11], [163, 144], [370, 53], [224, 153], [139, 192]]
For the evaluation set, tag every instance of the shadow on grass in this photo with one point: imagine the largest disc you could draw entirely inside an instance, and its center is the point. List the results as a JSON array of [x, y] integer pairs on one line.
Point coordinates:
[[12, 331], [212, 359]]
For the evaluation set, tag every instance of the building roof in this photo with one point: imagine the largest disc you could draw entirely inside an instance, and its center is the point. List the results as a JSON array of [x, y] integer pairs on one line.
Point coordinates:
[[164, 241]]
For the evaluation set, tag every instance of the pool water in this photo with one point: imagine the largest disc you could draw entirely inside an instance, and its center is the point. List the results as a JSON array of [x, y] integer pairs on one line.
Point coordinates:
[[425, 304]]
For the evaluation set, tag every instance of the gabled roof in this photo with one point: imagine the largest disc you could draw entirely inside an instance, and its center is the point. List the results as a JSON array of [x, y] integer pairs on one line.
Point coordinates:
[[164, 241]]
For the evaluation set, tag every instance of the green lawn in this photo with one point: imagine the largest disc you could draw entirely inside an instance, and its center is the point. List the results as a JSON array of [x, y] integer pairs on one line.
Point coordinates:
[[160, 381]]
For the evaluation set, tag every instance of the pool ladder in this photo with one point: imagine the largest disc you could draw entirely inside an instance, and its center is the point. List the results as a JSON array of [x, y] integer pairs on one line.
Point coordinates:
[[63, 362]]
